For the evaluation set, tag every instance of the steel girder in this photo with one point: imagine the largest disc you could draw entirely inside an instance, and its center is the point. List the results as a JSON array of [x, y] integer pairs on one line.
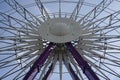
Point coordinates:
[[39, 63], [82, 63]]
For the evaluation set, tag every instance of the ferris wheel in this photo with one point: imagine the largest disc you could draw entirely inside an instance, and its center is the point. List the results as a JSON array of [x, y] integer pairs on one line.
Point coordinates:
[[59, 40]]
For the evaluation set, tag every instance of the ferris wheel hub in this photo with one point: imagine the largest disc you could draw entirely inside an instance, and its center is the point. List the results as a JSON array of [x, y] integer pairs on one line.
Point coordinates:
[[60, 30]]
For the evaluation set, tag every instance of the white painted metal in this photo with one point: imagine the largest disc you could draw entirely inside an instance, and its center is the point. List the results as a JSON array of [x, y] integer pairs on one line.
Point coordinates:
[[92, 26], [60, 30]]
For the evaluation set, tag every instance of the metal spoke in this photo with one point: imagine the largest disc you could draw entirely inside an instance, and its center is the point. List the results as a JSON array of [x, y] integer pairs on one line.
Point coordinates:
[[60, 64], [95, 12], [100, 63], [76, 66], [60, 8], [92, 53], [73, 62], [42, 9], [9, 22], [45, 67], [83, 64], [75, 12], [35, 68], [112, 20], [24, 13]]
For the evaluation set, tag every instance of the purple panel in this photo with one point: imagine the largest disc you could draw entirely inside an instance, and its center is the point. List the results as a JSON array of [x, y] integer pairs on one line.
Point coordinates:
[[39, 63], [82, 63]]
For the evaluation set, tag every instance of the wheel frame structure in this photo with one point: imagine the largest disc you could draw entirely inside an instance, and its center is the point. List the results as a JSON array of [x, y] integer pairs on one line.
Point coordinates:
[[91, 53]]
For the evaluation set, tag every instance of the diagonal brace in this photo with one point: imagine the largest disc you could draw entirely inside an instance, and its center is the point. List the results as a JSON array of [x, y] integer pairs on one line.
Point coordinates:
[[82, 63], [39, 63]]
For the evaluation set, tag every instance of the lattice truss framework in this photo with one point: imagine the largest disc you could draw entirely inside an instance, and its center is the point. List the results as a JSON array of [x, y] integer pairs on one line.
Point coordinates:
[[21, 45]]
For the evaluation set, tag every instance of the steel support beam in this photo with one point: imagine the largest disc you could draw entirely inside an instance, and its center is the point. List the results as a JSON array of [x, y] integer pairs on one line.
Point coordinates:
[[39, 63], [82, 63], [48, 72]]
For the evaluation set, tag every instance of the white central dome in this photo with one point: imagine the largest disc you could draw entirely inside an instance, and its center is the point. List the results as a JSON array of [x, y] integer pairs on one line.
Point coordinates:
[[59, 29]]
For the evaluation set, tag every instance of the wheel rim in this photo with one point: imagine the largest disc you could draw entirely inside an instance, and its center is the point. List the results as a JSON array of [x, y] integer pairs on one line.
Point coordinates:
[[21, 44]]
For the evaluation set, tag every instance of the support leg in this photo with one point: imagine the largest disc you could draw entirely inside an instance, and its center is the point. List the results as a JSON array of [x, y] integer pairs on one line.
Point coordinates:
[[82, 63], [39, 63]]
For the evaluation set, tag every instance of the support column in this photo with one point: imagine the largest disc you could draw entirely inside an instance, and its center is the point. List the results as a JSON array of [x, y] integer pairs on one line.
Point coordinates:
[[82, 63], [39, 63]]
